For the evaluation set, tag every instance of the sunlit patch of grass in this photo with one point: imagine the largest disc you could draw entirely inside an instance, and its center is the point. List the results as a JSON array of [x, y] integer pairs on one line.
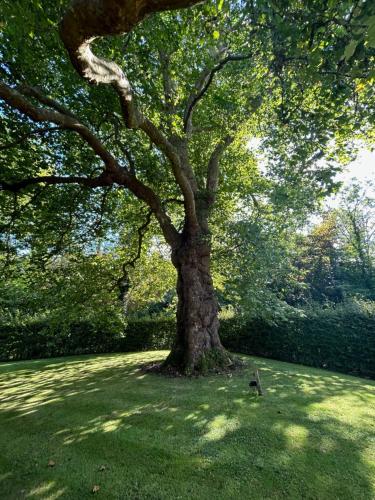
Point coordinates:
[[103, 422]]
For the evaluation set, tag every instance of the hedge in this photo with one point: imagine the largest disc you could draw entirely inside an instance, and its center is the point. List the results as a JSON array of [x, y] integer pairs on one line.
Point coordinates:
[[340, 340], [38, 340]]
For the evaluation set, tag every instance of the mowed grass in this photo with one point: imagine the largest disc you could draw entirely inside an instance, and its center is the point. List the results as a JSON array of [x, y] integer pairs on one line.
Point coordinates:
[[104, 423]]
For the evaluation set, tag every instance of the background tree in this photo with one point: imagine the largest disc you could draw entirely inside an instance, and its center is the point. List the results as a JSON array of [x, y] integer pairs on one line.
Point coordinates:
[[320, 260], [202, 81], [356, 224]]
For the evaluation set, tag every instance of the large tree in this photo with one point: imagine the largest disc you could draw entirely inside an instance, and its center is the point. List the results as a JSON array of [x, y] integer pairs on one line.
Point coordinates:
[[196, 83]]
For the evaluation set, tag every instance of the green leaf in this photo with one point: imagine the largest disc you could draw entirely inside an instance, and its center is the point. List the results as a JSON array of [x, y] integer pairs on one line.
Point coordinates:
[[216, 35]]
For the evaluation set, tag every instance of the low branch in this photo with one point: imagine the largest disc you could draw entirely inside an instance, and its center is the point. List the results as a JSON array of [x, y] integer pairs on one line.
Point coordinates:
[[18, 101], [17, 186], [112, 173]]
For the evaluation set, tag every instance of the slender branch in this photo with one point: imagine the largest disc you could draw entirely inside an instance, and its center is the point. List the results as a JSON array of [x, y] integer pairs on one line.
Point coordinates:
[[167, 82], [123, 282], [38, 94], [99, 220], [205, 81], [129, 159], [141, 233], [23, 137]]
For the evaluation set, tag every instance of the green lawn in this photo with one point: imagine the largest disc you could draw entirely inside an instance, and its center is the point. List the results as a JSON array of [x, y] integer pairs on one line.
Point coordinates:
[[102, 422]]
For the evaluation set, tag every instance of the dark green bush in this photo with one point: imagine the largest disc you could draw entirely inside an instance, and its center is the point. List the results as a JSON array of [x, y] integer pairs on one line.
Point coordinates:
[[37, 340], [340, 340]]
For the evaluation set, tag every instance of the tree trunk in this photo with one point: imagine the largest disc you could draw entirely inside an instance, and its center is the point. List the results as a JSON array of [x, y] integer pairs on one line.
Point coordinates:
[[197, 347]]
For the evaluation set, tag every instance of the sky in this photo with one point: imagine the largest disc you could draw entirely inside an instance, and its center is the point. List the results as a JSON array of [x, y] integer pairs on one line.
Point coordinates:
[[363, 168]]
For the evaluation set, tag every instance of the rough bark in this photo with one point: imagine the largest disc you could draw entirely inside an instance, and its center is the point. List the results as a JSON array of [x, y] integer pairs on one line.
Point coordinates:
[[197, 347]]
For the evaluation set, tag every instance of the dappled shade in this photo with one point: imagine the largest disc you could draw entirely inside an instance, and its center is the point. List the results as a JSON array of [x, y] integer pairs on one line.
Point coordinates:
[[309, 436]]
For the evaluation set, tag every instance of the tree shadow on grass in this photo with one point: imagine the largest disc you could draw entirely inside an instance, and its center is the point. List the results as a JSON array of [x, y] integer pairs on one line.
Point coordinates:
[[104, 422]]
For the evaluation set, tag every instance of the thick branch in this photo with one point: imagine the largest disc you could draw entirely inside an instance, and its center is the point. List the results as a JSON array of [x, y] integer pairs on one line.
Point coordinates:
[[52, 180], [18, 101], [171, 153], [87, 20]]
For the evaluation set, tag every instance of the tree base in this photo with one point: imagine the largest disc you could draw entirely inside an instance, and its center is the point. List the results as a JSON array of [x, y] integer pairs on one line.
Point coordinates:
[[215, 361]]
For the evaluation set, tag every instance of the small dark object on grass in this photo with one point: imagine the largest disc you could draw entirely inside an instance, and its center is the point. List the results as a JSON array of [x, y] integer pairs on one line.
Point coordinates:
[[256, 382]]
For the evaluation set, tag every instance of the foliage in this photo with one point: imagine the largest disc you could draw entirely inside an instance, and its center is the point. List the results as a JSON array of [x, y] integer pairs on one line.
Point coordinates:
[[253, 255], [319, 260], [67, 290], [294, 88]]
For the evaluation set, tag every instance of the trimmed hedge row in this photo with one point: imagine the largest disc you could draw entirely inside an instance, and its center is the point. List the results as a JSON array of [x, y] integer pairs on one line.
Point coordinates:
[[39, 340], [343, 343], [338, 340]]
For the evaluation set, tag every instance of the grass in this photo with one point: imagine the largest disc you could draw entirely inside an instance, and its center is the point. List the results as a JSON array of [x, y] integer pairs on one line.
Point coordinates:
[[102, 422]]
